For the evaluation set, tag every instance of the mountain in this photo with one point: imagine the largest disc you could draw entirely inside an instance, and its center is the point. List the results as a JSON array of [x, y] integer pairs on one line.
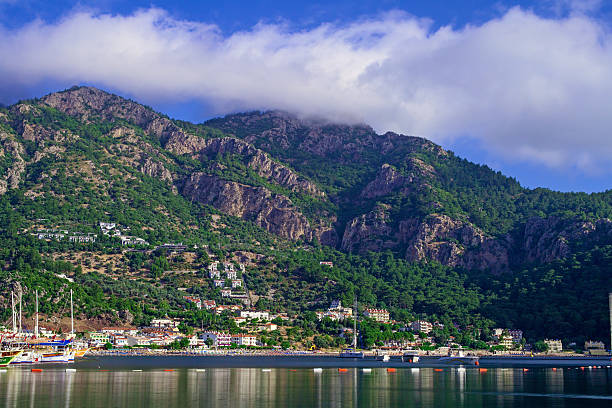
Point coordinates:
[[407, 223]]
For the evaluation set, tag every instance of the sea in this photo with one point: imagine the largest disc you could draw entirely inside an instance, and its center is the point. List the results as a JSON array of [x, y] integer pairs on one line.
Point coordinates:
[[279, 381]]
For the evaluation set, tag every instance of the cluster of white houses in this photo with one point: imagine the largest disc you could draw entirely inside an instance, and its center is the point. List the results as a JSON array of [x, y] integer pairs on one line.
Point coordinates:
[[111, 229], [229, 282], [162, 332], [59, 235]]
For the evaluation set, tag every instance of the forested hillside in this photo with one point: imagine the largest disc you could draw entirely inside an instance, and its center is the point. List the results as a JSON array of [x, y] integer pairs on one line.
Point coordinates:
[[407, 225]]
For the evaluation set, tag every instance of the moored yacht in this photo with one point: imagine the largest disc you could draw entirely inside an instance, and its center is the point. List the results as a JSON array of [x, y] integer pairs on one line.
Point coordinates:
[[457, 356], [7, 357]]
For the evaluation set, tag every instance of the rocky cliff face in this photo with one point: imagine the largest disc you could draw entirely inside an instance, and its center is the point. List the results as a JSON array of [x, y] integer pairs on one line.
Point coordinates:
[[547, 239], [273, 212], [453, 243], [389, 180], [256, 159], [274, 129]]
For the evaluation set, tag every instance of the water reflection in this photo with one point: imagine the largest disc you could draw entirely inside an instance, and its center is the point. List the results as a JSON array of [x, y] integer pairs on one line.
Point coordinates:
[[281, 387]]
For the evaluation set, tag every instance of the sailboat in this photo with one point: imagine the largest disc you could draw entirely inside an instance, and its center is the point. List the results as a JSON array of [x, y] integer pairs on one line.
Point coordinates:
[[352, 352], [59, 351], [9, 356], [29, 356]]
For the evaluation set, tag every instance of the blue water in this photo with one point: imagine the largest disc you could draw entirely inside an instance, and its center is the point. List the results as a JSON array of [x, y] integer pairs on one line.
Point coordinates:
[[111, 382]]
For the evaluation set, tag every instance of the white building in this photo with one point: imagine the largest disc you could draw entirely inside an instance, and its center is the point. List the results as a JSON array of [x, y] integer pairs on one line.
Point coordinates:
[[120, 341], [380, 315], [219, 339], [421, 326], [226, 293], [554, 346], [244, 339], [98, 337], [236, 283], [232, 275], [164, 323], [128, 331], [219, 283], [82, 238], [128, 240], [255, 314]]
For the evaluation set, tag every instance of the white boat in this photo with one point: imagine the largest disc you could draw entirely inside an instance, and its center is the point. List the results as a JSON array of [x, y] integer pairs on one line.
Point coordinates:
[[411, 356], [59, 356], [351, 353], [28, 357], [458, 357]]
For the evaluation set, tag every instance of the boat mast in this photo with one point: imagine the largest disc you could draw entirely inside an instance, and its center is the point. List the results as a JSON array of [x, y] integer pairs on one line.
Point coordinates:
[[13, 310], [71, 315], [355, 326], [20, 297], [36, 325], [610, 309]]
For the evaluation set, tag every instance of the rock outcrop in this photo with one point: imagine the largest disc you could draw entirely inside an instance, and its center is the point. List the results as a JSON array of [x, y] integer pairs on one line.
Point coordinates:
[[388, 179], [369, 232], [273, 212], [255, 158], [547, 239]]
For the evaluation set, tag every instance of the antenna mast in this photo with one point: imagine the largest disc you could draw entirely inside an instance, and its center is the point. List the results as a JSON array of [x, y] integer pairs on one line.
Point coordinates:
[[71, 315]]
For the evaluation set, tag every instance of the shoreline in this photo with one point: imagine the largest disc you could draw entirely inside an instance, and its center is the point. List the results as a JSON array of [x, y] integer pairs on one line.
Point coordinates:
[[315, 361]]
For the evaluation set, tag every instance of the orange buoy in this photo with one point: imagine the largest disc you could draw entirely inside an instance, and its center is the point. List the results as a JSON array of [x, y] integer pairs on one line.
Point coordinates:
[[438, 369], [525, 369], [168, 369], [342, 370], [482, 370], [476, 363], [391, 370], [554, 368], [37, 370]]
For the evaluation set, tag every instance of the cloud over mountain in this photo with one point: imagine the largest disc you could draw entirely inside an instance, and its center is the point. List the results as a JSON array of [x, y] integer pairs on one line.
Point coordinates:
[[526, 86]]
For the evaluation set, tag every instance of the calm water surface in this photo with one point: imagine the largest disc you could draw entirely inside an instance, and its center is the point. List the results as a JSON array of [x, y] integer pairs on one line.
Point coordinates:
[[302, 387]]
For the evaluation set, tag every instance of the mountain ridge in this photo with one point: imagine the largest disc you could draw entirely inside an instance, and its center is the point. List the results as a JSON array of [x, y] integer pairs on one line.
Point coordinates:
[[346, 186], [406, 224]]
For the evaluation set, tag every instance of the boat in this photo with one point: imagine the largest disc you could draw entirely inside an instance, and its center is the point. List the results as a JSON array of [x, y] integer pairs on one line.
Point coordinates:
[[54, 357], [352, 352], [28, 357], [80, 352], [411, 356], [7, 357], [457, 356]]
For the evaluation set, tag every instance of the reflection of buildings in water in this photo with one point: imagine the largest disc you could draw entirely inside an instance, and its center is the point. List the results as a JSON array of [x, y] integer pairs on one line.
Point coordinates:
[[503, 380], [69, 381], [372, 389], [554, 380], [215, 388]]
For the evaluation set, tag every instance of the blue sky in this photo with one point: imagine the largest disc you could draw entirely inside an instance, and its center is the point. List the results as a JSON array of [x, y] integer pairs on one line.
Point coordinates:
[[520, 86]]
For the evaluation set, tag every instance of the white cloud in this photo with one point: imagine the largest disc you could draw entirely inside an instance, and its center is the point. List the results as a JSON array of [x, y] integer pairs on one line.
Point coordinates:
[[527, 87]]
